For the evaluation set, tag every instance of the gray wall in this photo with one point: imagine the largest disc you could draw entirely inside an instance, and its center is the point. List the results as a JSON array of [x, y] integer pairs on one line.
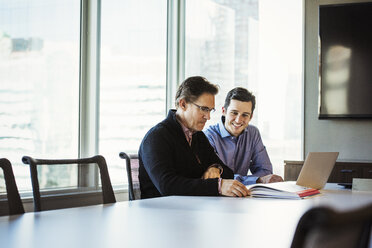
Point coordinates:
[[352, 138]]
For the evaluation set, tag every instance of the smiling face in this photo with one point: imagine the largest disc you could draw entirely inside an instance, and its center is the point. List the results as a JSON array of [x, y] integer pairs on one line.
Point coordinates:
[[192, 116], [237, 116]]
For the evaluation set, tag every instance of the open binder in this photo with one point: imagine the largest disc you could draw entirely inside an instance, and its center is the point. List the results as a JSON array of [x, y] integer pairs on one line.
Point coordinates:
[[281, 190]]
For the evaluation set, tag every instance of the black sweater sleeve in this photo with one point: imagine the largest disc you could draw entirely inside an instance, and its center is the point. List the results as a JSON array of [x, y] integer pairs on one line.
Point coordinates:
[[209, 157], [169, 167]]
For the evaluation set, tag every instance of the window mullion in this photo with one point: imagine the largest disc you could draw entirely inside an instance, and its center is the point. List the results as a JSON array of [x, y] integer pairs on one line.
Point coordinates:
[[89, 89], [175, 49]]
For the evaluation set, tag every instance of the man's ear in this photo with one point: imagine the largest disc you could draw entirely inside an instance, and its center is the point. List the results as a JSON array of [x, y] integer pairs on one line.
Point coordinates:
[[224, 111], [251, 117], [182, 104]]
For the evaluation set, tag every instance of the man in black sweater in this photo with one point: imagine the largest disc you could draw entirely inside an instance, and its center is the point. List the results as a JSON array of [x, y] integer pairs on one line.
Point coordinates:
[[175, 156]]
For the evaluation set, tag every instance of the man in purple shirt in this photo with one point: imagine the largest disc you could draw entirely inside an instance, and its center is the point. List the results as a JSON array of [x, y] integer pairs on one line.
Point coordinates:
[[238, 144]]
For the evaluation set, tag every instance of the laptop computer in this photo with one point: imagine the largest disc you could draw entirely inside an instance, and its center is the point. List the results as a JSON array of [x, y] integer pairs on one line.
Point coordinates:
[[316, 169]]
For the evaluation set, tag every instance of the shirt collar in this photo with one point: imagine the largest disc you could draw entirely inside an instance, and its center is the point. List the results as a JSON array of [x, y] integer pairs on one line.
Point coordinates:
[[221, 126], [188, 132]]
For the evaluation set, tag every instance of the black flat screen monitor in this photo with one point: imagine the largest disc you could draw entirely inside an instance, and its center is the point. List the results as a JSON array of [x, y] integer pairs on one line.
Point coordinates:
[[345, 61]]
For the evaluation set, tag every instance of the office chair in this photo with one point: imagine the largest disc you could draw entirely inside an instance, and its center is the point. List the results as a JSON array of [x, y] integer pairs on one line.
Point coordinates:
[[14, 200], [132, 165], [323, 227], [107, 191]]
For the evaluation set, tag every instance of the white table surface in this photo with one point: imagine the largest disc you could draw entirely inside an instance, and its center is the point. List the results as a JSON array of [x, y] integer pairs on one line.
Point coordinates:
[[175, 221]]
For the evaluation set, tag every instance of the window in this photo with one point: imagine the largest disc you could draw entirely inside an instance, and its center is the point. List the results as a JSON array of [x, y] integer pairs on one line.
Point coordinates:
[[255, 44], [39, 89], [133, 76]]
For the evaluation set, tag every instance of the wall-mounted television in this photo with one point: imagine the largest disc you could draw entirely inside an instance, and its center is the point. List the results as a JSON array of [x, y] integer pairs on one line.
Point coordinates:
[[345, 33]]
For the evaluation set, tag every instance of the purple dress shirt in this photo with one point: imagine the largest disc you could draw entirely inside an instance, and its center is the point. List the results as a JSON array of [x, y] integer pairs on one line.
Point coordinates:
[[242, 153]]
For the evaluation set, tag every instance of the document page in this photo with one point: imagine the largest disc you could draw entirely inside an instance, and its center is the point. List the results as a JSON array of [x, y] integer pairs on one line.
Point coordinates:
[[283, 190]]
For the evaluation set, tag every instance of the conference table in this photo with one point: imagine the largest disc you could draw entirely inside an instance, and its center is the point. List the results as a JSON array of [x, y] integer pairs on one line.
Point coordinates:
[[174, 221]]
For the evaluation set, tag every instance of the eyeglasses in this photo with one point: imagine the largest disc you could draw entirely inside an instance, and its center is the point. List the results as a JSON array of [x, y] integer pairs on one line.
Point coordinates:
[[204, 109]]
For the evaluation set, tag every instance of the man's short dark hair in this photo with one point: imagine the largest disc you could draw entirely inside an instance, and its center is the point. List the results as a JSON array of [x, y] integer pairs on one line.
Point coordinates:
[[240, 94], [193, 87]]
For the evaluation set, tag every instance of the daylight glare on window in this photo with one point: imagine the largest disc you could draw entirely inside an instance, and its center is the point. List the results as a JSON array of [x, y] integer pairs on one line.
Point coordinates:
[[254, 44], [49, 50], [39, 86], [133, 76]]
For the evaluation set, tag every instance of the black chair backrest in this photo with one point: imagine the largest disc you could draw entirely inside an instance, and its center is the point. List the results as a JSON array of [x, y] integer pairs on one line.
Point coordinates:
[[324, 227], [14, 200], [132, 166], [107, 191]]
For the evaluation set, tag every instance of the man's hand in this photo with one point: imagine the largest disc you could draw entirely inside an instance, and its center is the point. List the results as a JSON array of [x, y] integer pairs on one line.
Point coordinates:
[[272, 178], [212, 172], [231, 187]]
